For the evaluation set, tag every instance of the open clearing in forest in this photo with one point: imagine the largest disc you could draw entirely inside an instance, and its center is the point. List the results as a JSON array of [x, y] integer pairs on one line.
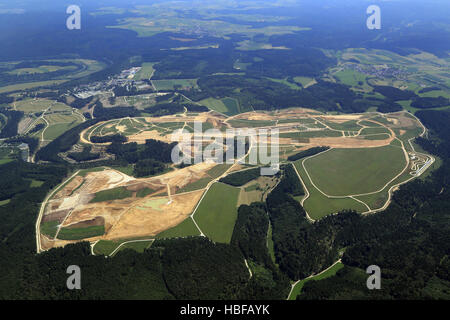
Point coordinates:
[[369, 155], [340, 172], [217, 212]]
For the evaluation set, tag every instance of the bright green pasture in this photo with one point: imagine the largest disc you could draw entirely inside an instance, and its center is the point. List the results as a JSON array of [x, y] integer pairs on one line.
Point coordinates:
[[329, 273], [341, 172], [184, 229], [217, 213]]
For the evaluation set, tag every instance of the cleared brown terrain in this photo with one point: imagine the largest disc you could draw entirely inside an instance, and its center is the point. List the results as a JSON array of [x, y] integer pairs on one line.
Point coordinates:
[[163, 207], [130, 217]]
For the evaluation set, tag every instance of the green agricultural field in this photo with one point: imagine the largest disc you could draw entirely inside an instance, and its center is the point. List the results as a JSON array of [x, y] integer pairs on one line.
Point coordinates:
[[311, 134], [243, 123], [369, 124], [304, 121], [377, 136], [61, 118], [112, 194], [287, 83], [436, 93], [318, 206], [36, 183], [138, 246], [342, 172], [84, 172], [105, 247], [128, 170], [350, 125], [186, 228], [329, 273], [4, 202], [375, 130], [351, 77], [49, 228], [305, 81], [218, 170], [146, 72], [54, 131], [80, 233], [40, 69], [172, 84], [30, 85], [33, 106], [232, 105], [217, 213], [148, 24], [197, 185], [227, 106], [5, 156]]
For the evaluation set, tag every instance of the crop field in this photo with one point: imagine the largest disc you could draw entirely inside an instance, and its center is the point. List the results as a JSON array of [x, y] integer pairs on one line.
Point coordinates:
[[55, 130], [369, 155], [256, 190], [227, 106], [217, 213], [5, 202], [111, 247], [111, 194], [311, 134], [165, 85], [186, 228], [146, 72], [33, 106], [74, 68], [318, 205], [362, 179], [54, 117], [151, 22], [80, 233], [232, 105], [138, 246], [351, 77], [242, 123], [341, 172], [30, 85], [50, 228], [359, 68]]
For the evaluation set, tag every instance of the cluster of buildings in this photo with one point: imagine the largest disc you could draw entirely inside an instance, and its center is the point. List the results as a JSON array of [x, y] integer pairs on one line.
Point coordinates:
[[129, 73], [380, 71], [124, 79]]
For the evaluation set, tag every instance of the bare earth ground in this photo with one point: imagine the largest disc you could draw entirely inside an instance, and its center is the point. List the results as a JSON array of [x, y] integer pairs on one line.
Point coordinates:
[[129, 217], [135, 217]]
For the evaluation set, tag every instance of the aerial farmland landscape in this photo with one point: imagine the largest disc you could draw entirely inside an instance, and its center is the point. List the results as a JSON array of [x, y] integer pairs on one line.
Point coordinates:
[[225, 150]]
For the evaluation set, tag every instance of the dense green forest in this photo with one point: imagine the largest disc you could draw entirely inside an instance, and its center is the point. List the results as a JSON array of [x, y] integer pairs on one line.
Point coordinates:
[[13, 119], [410, 240], [307, 153], [265, 94], [242, 177]]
